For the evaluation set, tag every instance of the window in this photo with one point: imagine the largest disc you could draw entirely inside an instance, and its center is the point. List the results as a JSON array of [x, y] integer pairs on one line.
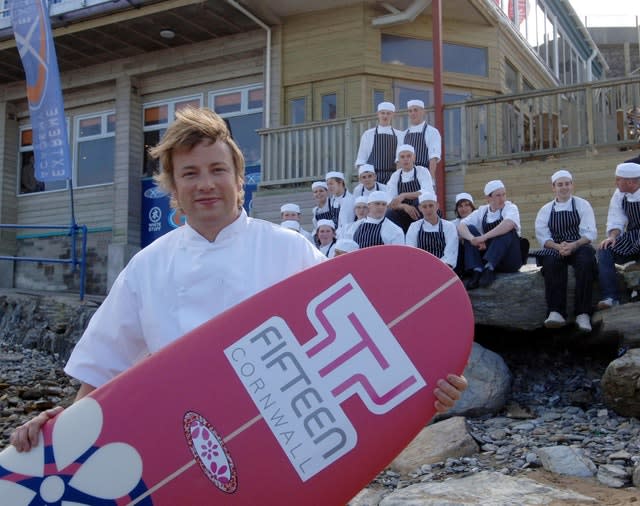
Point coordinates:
[[378, 96], [329, 106], [419, 53], [27, 182], [510, 77], [95, 148], [242, 109], [297, 111], [403, 92], [156, 118]]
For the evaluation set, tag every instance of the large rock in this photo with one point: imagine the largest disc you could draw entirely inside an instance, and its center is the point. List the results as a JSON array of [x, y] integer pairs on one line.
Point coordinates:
[[566, 460], [47, 323], [484, 488], [489, 384], [623, 320], [621, 384], [436, 443]]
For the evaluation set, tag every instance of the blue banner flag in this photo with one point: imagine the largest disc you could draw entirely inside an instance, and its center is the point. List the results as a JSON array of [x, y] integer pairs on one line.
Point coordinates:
[[32, 30]]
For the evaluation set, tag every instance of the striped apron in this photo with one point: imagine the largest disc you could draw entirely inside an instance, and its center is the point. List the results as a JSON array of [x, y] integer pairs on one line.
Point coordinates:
[[383, 155], [628, 243], [409, 187], [369, 234], [364, 189], [432, 242], [490, 226], [564, 227], [417, 140]]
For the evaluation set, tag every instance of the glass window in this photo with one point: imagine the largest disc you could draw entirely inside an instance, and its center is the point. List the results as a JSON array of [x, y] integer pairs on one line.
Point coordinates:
[[156, 117], [419, 53], [27, 182], [242, 110], [297, 111], [510, 77], [378, 96], [329, 106], [95, 149]]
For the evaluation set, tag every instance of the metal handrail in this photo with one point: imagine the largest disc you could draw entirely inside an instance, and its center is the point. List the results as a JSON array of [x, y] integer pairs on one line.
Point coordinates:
[[74, 261]]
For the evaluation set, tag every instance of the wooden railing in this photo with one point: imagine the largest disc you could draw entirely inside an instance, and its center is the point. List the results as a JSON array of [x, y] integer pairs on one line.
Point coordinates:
[[504, 127]]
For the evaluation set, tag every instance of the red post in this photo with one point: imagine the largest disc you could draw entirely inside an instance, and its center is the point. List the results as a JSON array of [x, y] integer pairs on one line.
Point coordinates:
[[438, 103]]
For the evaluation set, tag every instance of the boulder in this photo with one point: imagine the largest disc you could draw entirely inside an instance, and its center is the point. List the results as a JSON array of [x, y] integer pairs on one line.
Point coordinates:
[[436, 443], [621, 384], [566, 460], [623, 321], [489, 384]]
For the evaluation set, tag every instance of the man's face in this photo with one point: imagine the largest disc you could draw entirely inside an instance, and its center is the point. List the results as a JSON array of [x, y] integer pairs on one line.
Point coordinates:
[[385, 118], [406, 159], [206, 186], [562, 188], [368, 179], [416, 115], [428, 208], [497, 199], [290, 215], [377, 210], [628, 184]]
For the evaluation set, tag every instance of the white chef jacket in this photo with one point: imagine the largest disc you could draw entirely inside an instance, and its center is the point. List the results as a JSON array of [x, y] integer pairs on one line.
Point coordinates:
[[616, 219], [587, 219], [389, 231], [357, 191], [347, 213], [366, 142], [509, 212], [451, 240], [178, 282], [423, 175], [432, 138]]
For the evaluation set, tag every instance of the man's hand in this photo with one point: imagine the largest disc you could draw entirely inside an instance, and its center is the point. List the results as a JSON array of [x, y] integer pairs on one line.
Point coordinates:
[[26, 436], [449, 391]]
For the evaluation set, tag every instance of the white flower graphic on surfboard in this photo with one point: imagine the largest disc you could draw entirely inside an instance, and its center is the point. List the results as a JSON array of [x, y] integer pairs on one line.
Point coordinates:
[[110, 472]]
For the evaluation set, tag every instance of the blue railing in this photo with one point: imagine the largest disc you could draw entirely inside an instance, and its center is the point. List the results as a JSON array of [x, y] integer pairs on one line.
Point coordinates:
[[74, 230]]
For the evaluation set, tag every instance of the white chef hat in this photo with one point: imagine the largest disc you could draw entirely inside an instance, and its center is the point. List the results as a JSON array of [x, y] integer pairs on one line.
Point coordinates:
[[319, 184], [415, 103], [328, 223], [427, 195], [628, 169], [561, 173], [386, 106], [292, 224], [334, 174], [464, 196], [378, 196], [405, 147], [492, 186], [366, 168], [290, 208], [346, 245], [361, 200]]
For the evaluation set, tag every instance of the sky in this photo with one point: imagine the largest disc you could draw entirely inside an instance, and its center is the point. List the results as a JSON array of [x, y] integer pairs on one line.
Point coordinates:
[[607, 12]]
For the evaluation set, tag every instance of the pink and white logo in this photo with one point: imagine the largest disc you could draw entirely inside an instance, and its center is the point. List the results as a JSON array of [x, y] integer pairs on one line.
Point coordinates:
[[298, 389]]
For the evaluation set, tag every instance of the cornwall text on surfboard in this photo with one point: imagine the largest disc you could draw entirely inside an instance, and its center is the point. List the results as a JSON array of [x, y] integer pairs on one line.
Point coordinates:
[[298, 388]]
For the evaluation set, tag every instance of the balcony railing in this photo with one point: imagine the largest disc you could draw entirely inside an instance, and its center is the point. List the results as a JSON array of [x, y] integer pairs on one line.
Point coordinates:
[[504, 127]]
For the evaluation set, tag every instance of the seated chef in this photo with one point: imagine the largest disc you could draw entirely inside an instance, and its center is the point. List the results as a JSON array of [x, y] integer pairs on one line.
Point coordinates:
[[291, 212], [404, 188], [367, 182], [433, 234], [491, 236], [376, 229]]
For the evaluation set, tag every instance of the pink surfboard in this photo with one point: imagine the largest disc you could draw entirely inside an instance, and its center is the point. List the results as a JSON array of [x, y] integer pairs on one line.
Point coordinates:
[[299, 395]]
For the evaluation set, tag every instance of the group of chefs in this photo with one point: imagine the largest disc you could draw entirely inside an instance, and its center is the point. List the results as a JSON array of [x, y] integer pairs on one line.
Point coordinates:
[[395, 202]]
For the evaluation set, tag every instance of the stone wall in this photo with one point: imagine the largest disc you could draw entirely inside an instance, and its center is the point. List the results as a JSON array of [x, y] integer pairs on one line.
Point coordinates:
[[59, 276]]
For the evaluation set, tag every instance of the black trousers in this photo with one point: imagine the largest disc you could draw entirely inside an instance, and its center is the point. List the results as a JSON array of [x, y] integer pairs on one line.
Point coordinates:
[[555, 270]]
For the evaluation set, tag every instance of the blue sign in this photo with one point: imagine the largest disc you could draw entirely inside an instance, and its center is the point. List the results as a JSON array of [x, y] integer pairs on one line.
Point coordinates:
[[32, 31], [158, 217]]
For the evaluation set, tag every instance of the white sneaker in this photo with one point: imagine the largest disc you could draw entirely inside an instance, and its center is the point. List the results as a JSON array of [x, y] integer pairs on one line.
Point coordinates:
[[555, 320], [584, 322], [607, 303]]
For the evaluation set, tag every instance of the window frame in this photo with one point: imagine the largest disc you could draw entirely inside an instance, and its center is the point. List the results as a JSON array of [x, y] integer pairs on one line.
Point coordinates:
[[104, 134]]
